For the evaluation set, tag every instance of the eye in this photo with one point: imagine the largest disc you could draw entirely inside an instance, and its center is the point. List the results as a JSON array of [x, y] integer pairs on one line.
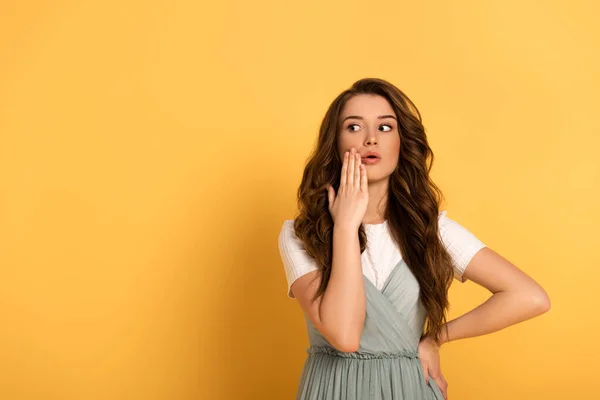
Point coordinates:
[[351, 125]]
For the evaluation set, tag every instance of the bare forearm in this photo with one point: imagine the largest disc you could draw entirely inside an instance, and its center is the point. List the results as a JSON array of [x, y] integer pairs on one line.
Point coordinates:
[[501, 310], [343, 307]]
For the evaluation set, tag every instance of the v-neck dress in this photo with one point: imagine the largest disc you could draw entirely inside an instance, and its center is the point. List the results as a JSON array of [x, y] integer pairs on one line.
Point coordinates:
[[386, 365]]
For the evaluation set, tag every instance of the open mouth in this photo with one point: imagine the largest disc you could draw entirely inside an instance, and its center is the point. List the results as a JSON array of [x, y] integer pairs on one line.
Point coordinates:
[[371, 155], [369, 160]]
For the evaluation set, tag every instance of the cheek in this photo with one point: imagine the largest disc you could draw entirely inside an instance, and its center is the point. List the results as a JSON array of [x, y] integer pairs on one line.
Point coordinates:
[[393, 154], [396, 144], [393, 147], [345, 144]]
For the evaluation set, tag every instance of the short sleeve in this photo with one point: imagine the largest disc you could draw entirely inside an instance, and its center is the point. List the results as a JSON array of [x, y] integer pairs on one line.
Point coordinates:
[[460, 243], [296, 261]]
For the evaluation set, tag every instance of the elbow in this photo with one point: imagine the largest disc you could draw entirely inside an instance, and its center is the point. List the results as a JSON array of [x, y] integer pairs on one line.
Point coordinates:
[[540, 301], [348, 343], [343, 335], [347, 347]]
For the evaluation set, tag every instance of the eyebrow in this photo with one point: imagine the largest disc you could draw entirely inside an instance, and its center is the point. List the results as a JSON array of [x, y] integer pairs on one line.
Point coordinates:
[[359, 117]]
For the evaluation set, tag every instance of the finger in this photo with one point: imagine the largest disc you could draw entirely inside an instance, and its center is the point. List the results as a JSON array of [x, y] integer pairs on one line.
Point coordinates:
[[350, 178], [357, 172], [330, 195], [444, 387], [440, 384], [344, 167], [363, 178]]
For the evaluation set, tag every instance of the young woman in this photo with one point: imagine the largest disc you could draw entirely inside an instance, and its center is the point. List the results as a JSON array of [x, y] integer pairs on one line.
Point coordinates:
[[370, 257]]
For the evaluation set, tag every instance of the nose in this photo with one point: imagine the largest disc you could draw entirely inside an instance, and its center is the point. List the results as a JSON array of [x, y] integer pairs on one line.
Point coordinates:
[[371, 140]]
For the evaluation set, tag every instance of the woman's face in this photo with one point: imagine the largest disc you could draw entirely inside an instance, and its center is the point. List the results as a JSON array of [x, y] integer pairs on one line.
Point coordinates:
[[368, 123]]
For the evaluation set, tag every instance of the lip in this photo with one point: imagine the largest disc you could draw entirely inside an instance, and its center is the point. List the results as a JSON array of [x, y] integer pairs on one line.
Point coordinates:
[[370, 161]]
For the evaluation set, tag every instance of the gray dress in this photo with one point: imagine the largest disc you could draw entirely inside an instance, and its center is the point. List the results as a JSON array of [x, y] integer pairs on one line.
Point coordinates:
[[386, 365]]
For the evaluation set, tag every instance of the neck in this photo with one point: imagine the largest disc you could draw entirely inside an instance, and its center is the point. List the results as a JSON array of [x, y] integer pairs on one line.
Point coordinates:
[[378, 194]]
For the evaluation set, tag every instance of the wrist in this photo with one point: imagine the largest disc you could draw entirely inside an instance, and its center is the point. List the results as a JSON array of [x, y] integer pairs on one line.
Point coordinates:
[[345, 228], [433, 342], [442, 339], [444, 335]]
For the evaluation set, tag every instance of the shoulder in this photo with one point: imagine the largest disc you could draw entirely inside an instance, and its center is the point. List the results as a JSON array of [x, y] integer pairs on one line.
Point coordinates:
[[460, 242], [287, 234], [442, 215], [451, 229]]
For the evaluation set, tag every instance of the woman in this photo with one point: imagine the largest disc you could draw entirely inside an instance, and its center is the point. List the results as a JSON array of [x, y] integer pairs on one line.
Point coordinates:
[[370, 257]]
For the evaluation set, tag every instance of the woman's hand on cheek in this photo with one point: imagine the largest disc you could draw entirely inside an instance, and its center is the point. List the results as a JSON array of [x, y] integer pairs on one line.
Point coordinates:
[[429, 355]]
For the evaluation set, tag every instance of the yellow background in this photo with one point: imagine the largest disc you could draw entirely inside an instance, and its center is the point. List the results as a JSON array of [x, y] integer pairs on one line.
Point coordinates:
[[150, 151]]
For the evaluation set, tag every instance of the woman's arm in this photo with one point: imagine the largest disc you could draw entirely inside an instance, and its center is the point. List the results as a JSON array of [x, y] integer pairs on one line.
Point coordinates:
[[344, 302], [340, 313], [515, 297]]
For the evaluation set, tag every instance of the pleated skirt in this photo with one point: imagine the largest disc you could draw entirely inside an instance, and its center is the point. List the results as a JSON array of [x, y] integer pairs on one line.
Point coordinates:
[[329, 374]]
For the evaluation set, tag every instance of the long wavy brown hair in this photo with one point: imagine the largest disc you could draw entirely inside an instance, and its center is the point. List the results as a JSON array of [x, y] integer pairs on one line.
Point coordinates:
[[412, 205]]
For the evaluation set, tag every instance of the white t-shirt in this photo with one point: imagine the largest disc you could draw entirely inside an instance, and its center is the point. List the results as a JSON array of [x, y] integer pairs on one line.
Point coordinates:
[[460, 243]]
